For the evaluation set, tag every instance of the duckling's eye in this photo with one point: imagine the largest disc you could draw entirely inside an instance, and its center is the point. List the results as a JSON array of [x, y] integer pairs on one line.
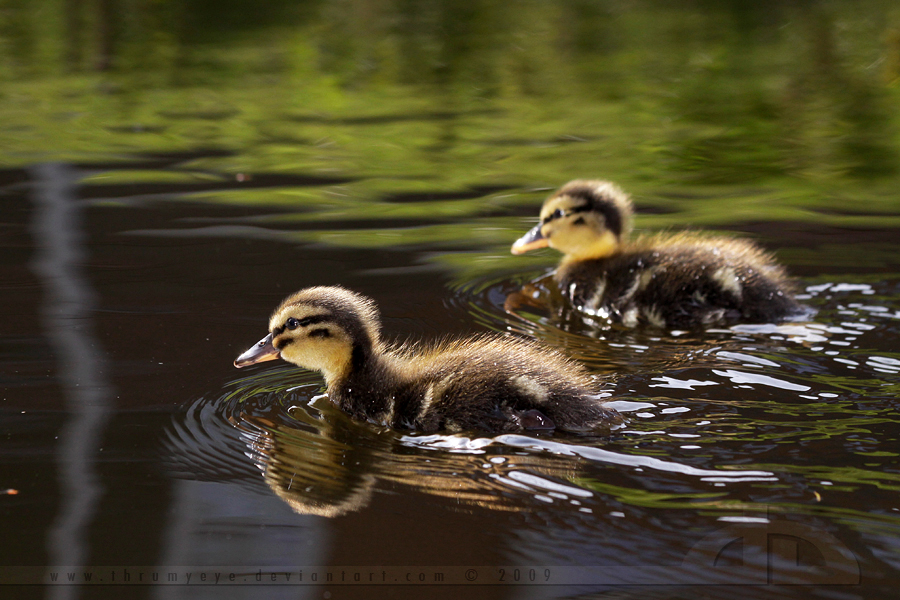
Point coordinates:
[[556, 214], [292, 323]]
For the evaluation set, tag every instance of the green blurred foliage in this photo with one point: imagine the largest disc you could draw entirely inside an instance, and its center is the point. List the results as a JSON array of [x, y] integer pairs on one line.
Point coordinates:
[[787, 110]]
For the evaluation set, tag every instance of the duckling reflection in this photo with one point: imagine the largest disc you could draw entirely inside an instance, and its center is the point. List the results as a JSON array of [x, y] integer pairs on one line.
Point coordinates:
[[490, 382], [336, 466], [682, 281], [310, 467]]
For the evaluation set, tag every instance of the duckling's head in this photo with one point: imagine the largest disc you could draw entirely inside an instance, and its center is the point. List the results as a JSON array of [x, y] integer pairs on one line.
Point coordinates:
[[583, 220], [326, 329]]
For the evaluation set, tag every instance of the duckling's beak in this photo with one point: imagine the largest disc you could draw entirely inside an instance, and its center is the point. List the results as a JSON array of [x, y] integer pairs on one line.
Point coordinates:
[[261, 351], [532, 240]]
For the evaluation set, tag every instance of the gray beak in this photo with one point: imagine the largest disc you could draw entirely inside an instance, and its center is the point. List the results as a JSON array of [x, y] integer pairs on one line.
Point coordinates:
[[262, 351]]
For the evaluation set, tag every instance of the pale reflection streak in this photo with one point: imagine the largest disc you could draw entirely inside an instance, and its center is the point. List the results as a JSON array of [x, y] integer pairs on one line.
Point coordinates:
[[607, 456], [66, 319]]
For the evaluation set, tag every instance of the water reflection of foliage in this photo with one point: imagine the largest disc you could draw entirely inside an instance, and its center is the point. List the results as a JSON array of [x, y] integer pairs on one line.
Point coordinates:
[[825, 116], [436, 127], [746, 91]]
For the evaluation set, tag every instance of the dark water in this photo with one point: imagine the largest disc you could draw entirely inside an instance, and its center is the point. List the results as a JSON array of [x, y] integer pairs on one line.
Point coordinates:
[[164, 187]]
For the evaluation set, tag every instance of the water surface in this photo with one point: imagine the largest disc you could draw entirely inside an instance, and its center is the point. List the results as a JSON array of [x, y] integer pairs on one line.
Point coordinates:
[[162, 192]]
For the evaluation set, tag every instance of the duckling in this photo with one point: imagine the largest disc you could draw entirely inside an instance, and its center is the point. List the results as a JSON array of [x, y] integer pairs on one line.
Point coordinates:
[[679, 280], [486, 382]]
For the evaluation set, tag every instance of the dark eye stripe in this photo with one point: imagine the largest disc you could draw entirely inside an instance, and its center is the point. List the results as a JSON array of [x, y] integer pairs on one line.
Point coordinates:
[[282, 343], [307, 321], [556, 214], [292, 323], [601, 204], [559, 213]]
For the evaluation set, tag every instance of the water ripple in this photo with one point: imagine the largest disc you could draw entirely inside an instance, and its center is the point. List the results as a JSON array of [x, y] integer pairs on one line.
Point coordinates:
[[725, 421]]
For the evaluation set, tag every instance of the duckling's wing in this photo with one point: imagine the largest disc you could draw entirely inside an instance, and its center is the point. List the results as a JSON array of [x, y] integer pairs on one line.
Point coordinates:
[[502, 383]]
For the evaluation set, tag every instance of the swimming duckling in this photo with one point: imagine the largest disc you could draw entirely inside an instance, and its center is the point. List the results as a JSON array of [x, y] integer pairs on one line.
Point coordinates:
[[486, 382], [677, 280]]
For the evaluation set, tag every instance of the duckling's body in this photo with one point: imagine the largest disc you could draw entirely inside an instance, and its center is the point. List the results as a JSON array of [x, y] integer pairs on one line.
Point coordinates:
[[680, 282], [491, 383], [674, 281]]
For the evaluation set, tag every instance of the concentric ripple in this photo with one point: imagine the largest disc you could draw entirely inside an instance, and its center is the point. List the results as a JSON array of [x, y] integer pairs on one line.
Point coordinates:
[[730, 421]]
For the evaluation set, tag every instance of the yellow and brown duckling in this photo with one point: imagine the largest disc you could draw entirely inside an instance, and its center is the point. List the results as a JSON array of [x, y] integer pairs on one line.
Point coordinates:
[[486, 382], [680, 280]]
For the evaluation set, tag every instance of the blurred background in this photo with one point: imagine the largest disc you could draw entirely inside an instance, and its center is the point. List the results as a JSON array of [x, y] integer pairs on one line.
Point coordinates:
[[726, 99], [170, 169]]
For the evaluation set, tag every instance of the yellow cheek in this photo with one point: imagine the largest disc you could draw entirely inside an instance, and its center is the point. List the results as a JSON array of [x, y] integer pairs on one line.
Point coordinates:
[[583, 244], [329, 356]]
